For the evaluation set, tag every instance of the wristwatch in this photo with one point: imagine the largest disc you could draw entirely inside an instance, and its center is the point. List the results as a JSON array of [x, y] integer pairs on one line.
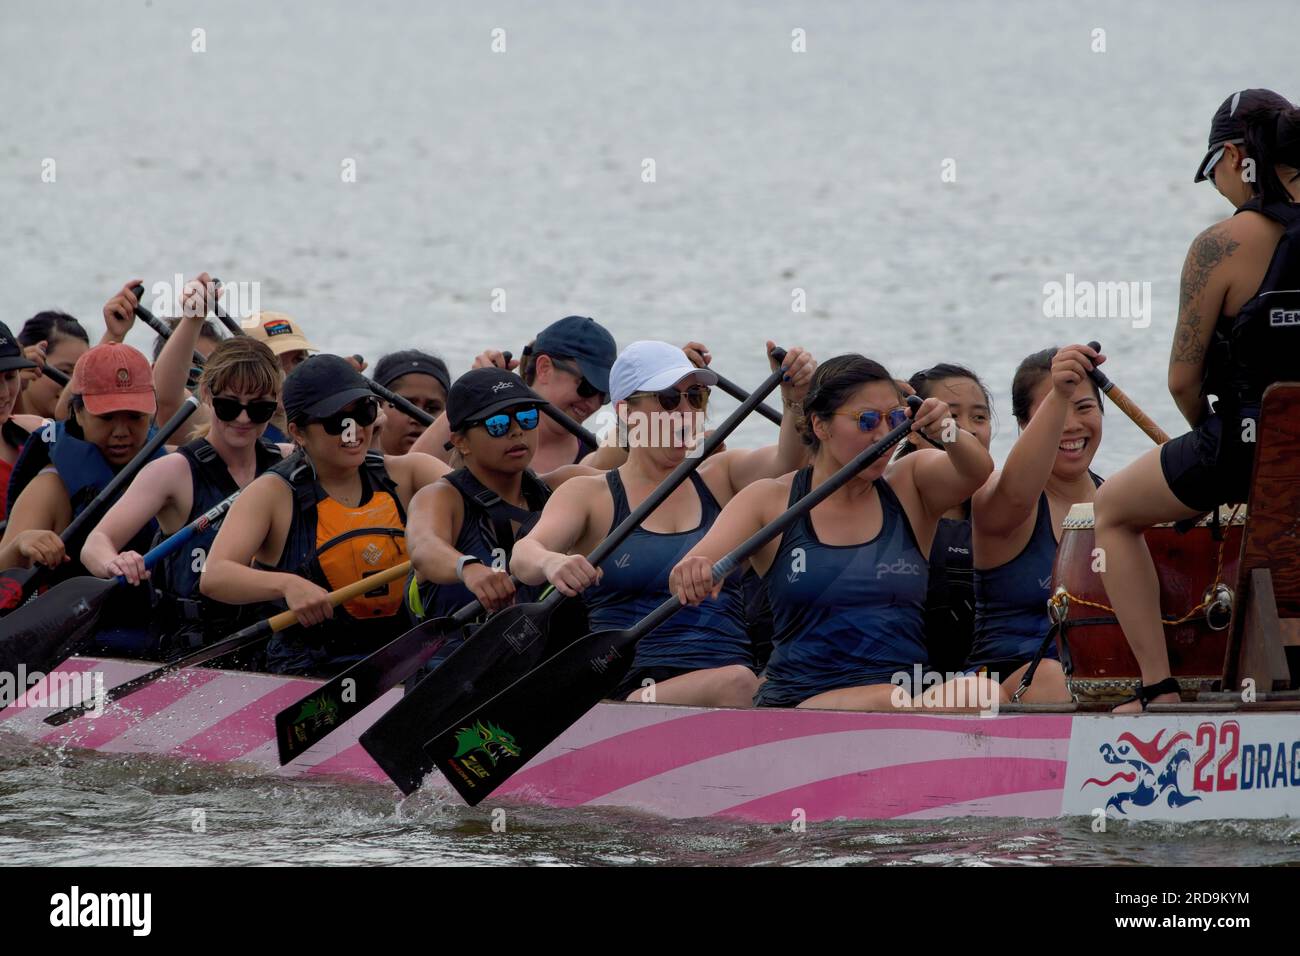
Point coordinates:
[[460, 565]]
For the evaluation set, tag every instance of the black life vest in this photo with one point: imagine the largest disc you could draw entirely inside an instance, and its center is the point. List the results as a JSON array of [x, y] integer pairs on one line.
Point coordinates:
[[1260, 345], [487, 532], [183, 616]]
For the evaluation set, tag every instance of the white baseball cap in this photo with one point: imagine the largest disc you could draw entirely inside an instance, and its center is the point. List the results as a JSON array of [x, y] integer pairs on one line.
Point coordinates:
[[648, 366]]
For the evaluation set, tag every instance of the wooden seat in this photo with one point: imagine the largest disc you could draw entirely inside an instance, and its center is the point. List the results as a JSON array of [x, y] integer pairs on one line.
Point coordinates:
[[1266, 607]]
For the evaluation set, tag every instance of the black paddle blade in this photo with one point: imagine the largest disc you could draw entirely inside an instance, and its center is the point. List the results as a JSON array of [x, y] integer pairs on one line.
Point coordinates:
[[307, 722], [44, 633], [16, 586], [510, 644], [483, 750]]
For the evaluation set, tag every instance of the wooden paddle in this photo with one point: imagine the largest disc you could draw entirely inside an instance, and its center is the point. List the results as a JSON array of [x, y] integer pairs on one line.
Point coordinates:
[[42, 634], [17, 584], [228, 645], [500, 733], [301, 725], [516, 638], [1126, 404]]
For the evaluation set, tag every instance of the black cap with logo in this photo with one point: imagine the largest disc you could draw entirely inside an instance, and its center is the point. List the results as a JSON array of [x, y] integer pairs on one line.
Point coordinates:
[[11, 353], [1229, 127], [481, 392], [322, 385]]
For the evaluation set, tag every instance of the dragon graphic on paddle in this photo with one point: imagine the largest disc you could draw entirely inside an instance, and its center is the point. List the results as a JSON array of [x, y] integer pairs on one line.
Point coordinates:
[[489, 738]]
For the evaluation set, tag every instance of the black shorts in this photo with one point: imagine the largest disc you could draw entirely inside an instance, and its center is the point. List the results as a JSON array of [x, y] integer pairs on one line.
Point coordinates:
[[1204, 470]]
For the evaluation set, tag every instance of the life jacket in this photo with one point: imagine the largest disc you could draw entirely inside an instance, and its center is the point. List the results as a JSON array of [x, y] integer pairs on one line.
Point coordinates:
[[487, 532], [183, 615], [334, 545], [81, 466], [1260, 345]]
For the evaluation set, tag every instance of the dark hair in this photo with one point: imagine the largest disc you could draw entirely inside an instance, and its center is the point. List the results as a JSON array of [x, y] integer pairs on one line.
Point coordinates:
[[1032, 370], [208, 330], [834, 381], [923, 383], [1272, 137], [405, 357], [50, 327]]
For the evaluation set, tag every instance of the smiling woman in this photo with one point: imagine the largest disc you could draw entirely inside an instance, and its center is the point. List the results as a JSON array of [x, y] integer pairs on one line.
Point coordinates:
[[327, 517]]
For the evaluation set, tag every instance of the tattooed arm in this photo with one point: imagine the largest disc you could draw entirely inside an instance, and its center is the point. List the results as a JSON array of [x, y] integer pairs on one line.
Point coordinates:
[[1204, 283]]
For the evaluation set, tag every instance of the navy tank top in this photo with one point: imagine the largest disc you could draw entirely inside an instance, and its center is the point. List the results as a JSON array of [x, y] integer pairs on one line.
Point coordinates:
[[844, 615], [1011, 599], [634, 582]]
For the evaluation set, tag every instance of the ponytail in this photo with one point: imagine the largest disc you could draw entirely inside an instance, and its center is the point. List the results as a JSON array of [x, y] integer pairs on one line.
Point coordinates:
[[1272, 139]]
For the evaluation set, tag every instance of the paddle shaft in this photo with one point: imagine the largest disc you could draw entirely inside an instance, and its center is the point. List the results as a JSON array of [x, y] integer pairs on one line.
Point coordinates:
[[552, 703], [739, 394], [240, 639], [158, 325], [230, 323], [93, 511], [1126, 404]]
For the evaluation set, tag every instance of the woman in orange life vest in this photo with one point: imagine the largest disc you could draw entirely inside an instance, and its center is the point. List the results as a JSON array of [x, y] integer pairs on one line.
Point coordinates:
[[324, 518], [14, 429], [1239, 275], [240, 388]]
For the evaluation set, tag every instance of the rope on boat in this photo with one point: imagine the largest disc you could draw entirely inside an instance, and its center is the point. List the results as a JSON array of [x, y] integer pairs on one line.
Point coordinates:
[[1058, 605]]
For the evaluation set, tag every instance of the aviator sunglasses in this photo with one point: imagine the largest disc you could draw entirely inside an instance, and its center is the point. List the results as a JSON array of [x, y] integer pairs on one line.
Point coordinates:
[[498, 425], [585, 388], [259, 410], [869, 419], [360, 413], [697, 396]]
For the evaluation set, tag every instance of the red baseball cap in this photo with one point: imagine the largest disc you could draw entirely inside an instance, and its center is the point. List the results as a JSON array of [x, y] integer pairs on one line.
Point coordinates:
[[114, 378]]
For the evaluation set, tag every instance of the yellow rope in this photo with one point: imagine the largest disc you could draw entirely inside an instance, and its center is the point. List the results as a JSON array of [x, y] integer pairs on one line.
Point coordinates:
[[1062, 595]]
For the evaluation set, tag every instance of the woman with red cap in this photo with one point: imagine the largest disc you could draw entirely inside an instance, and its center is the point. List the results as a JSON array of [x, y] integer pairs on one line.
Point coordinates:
[[66, 464], [1240, 282]]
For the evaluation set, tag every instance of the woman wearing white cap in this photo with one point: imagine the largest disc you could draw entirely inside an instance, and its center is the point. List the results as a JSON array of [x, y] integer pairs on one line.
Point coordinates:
[[703, 656]]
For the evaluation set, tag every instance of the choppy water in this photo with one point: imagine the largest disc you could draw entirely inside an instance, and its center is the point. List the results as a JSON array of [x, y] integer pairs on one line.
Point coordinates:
[[89, 809], [522, 171]]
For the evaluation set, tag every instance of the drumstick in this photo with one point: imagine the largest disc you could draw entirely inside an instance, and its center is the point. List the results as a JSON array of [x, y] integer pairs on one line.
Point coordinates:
[[1126, 404]]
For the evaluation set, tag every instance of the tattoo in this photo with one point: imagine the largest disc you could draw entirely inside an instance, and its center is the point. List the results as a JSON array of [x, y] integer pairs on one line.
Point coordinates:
[[1208, 251]]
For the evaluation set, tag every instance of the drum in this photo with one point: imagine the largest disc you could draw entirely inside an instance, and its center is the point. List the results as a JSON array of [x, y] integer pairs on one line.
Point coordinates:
[[1099, 664]]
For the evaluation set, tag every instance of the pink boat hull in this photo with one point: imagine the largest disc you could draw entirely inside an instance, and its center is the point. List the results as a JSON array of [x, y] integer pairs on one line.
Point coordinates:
[[767, 766]]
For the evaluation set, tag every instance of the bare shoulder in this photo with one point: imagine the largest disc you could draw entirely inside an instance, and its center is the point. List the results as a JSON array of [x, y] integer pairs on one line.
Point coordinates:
[[553, 479], [30, 423], [415, 468]]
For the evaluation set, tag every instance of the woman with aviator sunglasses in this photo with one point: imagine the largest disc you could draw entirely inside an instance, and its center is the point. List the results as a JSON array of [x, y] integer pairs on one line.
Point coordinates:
[[704, 657], [568, 366], [324, 518], [239, 388], [847, 583], [462, 529]]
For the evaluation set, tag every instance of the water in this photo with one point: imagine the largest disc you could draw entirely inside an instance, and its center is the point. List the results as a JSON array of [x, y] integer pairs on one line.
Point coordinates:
[[91, 809], [522, 171]]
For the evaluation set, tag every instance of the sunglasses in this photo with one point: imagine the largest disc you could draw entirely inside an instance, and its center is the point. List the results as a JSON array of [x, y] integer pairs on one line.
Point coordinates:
[[498, 425], [697, 396], [259, 410], [585, 388], [360, 414], [869, 419]]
